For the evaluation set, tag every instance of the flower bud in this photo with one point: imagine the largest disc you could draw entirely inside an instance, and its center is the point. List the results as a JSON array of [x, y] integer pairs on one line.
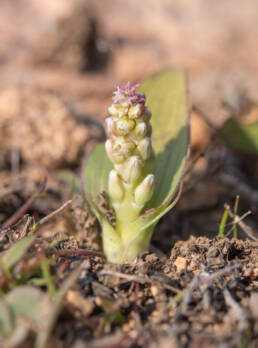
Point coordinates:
[[110, 126], [115, 158], [135, 111], [108, 146], [140, 130], [146, 115], [115, 186], [129, 148], [145, 148], [122, 147], [143, 192], [117, 110], [131, 169], [124, 126]]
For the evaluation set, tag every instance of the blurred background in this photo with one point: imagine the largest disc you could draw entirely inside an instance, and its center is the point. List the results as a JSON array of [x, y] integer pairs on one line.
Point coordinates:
[[60, 61]]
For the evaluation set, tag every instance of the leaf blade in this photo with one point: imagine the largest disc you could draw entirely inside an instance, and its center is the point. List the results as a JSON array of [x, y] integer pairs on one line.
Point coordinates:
[[14, 254], [151, 218], [71, 178], [167, 99], [95, 174], [241, 133]]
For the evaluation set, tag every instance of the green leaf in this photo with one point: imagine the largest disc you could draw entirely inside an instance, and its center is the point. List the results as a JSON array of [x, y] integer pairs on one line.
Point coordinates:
[[112, 316], [167, 99], [95, 175], [15, 253], [28, 302], [6, 321], [23, 308], [241, 133], [142, 227]]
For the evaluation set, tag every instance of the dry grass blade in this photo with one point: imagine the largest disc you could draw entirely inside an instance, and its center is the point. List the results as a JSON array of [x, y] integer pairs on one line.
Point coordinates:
[[51, 215], [239, 313], [141, 280], [26, 206], [247, 229], [78, 252], [205, 279]]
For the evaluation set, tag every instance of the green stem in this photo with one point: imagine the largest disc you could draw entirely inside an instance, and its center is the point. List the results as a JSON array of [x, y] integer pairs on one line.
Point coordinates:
[[112, 244], [47, 276], [234, 218], [135, 243], [223, 222], [126, 211], [125, 246]]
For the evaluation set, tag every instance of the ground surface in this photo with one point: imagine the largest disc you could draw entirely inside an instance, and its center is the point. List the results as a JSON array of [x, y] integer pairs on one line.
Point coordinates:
[[59, 64]]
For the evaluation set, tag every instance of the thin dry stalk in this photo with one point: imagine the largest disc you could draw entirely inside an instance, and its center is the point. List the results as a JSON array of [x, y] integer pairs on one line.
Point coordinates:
[[78, 252], [51, 215], [26, 206], [205, 279], [247, 229], [141, 280], [238, 311]]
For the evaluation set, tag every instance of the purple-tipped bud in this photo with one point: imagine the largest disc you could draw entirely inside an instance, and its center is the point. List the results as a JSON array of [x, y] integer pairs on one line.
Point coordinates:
[[126, 95], [143, 192], [115, 186]]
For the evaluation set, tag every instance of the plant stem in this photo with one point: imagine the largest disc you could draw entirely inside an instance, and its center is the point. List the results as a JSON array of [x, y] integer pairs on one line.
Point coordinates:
[[223, 222], [47, 276], [234, 218]]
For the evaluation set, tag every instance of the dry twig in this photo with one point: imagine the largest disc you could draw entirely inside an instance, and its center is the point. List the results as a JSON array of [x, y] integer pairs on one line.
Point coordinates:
[[205, 279], [25, 207], [247, 229], [141, 280], [240, 314], [51, 215], [78, 252]]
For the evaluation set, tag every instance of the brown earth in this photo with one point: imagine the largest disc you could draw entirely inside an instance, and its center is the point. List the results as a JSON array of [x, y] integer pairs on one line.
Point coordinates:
[[59, 63]]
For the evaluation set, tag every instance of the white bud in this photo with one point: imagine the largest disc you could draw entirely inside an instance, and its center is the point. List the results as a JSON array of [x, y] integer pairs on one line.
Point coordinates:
[[123, 147], [143, 192], [132, 169], [140, 130], [115, 186], [145, 148], [110, 126], [108, 146], [114, 157], [117, 110], [124, 126], [135, 111]]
